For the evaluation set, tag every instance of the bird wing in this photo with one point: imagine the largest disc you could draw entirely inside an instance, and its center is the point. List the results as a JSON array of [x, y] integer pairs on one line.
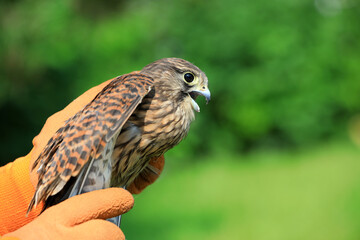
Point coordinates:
[[84, 136]]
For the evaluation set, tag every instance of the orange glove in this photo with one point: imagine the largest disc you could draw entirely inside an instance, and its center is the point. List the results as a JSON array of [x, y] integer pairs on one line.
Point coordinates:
[[16, 190], [79, 217]]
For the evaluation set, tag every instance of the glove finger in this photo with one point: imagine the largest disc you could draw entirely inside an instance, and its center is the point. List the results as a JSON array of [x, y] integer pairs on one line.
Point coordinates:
[[99, 204], [96, 229]]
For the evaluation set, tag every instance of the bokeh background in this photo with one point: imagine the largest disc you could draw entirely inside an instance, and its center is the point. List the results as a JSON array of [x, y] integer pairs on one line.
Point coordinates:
[[275, 155]]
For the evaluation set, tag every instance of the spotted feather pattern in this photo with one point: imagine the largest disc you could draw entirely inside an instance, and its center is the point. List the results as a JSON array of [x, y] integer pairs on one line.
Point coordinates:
[[110, 142], [85, 135]]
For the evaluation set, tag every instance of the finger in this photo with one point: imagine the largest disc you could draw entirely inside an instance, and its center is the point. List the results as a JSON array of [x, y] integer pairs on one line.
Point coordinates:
[[96, 229], [99, 204]]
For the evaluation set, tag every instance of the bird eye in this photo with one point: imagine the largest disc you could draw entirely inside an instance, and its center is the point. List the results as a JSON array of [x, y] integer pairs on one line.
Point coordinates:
[[189, 77]]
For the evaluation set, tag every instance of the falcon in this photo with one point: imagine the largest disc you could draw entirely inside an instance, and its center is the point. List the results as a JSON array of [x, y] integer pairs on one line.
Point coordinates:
[[109, 142]]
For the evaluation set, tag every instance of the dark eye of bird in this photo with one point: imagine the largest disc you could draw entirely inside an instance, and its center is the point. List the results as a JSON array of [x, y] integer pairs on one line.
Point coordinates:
[[189, 77]]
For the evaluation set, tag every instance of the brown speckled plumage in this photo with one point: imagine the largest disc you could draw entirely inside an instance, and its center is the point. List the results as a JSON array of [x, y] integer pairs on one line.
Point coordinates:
[[111, 140]]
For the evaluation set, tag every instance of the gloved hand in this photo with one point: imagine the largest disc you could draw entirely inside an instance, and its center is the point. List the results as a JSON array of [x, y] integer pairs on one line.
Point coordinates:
[[79, 217], [16, 190]]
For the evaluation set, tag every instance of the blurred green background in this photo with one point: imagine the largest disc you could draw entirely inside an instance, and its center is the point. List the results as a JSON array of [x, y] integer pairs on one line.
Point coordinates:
[[275, 155]]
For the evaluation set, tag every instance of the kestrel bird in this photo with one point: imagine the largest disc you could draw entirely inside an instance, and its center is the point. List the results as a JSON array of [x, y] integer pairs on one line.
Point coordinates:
[[109, 142]]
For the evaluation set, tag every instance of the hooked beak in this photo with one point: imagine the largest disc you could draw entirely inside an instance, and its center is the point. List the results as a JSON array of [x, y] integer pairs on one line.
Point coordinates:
[[193, 94]]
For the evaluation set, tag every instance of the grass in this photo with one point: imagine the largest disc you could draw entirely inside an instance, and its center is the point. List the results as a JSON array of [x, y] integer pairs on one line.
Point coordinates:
[[313, 194]]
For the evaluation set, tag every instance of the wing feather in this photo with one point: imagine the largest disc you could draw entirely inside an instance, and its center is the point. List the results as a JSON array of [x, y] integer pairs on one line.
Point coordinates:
[[84, 136]]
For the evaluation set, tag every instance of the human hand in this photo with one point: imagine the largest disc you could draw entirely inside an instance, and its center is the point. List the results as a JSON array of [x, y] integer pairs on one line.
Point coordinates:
[[79, 217], [18, 187]]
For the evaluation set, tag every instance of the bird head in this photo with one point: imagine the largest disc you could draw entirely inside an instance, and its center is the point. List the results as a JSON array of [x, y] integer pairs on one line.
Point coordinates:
[[179, 80]]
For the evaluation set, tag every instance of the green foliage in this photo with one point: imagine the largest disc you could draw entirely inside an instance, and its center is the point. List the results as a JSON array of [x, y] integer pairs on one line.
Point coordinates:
[[312, 194], [281, 73]]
